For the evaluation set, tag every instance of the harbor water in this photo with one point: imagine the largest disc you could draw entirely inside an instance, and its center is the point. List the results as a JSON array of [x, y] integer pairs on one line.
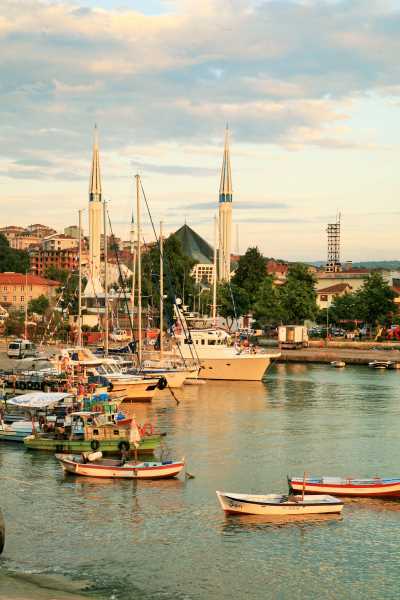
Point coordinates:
[[170, 540]]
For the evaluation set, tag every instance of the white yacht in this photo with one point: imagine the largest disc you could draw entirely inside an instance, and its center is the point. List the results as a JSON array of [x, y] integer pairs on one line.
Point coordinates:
[[219, 359]]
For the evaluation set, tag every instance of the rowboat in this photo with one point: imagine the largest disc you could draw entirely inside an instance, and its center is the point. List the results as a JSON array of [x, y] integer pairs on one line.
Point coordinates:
[[278, 505], [369, 488], [338, 364], [380, 364], [94, 465]]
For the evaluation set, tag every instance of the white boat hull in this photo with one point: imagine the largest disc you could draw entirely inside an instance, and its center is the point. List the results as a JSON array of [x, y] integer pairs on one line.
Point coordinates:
[[249, 367], [277, 505], [135, 390], [127, 471]]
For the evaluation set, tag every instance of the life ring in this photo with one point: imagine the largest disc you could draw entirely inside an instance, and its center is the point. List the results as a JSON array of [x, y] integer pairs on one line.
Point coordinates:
[[124, 446], [147, 429], [162, 383], [94, 444]]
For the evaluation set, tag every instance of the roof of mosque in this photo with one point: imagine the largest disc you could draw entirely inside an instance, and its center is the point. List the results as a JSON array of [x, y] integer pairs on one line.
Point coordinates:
[[194, 245]]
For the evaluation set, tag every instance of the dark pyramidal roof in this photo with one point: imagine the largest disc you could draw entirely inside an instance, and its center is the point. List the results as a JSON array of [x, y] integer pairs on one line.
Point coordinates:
[[194, 245]]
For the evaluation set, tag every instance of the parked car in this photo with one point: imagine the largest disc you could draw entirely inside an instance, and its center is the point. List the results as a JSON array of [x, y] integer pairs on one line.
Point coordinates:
[[21, 349]]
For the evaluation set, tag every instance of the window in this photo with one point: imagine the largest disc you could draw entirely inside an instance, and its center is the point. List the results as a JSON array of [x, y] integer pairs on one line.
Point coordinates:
[[324, 298]]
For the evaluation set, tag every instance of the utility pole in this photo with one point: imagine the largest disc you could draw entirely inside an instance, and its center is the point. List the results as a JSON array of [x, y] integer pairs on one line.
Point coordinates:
[[161, 289]]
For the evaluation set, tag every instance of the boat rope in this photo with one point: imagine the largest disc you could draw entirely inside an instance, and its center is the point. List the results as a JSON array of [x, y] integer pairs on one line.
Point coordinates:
[[183, 323]]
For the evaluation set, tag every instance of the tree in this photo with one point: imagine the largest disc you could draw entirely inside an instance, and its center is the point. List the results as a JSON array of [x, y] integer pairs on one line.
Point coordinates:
[[298, 295], [39, 305], [250, 272], [56, 274], [177, 274], [376, 299], [12, 260], [232, 301], [268, 305], [345, 308]]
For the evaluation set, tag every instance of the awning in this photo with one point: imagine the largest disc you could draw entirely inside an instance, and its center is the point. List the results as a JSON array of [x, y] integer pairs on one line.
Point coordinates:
[[38, 399]]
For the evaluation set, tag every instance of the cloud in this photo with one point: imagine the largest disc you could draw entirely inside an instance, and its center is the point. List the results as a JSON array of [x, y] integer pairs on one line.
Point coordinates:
[[239, 205], [192, 171]]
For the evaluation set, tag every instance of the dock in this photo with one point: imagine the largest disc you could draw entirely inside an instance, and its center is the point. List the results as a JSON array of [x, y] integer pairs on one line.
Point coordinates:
[[351, 356]]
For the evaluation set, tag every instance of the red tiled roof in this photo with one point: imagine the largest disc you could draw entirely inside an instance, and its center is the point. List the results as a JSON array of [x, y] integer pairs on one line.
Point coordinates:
[[337, 288], [19, 279]]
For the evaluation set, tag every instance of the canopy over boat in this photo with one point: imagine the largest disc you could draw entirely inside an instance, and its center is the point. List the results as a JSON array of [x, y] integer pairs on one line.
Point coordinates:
[[38, 399]]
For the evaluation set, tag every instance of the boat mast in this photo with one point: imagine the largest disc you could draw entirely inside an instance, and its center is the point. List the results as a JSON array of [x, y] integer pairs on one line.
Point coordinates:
[[80, 281], [214, 304], [161, 289], [105, 279], [26, 306], [133, 253], [139, 269]]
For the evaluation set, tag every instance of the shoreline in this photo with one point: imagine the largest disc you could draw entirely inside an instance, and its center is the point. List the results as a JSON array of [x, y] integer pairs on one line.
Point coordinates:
[[21, 586], [351, 356]]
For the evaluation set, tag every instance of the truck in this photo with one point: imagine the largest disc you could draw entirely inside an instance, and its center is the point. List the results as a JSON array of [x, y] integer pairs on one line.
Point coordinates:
[[293, 336]]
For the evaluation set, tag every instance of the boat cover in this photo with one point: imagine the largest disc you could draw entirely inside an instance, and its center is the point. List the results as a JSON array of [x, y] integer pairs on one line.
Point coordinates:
[[38, 399]]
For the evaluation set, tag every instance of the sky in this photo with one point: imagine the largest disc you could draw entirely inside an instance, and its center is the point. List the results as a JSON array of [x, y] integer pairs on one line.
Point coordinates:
[[310, 89]]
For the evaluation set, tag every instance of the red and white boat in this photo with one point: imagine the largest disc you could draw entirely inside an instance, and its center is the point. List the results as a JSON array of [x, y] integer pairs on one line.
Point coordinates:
[[94, 465], [338, 486]]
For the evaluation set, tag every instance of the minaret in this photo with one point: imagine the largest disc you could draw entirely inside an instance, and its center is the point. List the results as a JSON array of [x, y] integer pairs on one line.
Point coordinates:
[[94, 287], [225, 215]]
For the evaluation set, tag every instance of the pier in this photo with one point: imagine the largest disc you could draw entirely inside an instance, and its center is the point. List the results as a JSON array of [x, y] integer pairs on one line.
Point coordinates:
[[358, 354]]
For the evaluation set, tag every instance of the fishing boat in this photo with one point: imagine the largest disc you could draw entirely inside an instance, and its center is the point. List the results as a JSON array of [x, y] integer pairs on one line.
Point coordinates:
[[380, 364], [369, 488], [94, 465], [278, 505], [15, 432], [86, 431]]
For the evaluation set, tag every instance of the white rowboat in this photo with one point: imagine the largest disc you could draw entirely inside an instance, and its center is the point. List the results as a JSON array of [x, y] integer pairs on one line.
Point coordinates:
[[117, 469], [278, 505]]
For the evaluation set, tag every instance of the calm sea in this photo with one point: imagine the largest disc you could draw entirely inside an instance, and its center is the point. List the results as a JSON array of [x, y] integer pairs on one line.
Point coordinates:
[[170, 540]]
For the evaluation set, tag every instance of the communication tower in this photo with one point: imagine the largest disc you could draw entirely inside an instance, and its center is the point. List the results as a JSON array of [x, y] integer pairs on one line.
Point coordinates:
[[333, 264]]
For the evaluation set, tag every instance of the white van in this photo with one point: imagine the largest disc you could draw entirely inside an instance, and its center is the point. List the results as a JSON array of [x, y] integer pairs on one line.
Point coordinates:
[[21, 349]]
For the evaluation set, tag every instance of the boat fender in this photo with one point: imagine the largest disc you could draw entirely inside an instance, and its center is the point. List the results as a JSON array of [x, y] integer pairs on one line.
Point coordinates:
[[124, 446], [94, 444], [29, 385], [162, 383]]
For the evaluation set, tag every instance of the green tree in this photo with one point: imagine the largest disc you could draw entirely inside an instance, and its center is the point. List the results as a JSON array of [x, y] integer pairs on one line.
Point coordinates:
[[376, 299], [268, 305], [12, 260], [178, 281], [250, 272], [233, 302], [39, 305], [345, 308], [56, 274], [298, 295]]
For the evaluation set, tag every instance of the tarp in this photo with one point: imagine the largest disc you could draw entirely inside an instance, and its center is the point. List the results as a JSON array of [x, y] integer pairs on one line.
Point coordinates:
[[38, 399]]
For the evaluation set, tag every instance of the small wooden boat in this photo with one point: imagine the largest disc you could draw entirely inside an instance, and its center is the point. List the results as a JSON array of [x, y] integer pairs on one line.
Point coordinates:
[[94, 465], [368, 488], [278, 505], [338, 364], [380, 364]]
